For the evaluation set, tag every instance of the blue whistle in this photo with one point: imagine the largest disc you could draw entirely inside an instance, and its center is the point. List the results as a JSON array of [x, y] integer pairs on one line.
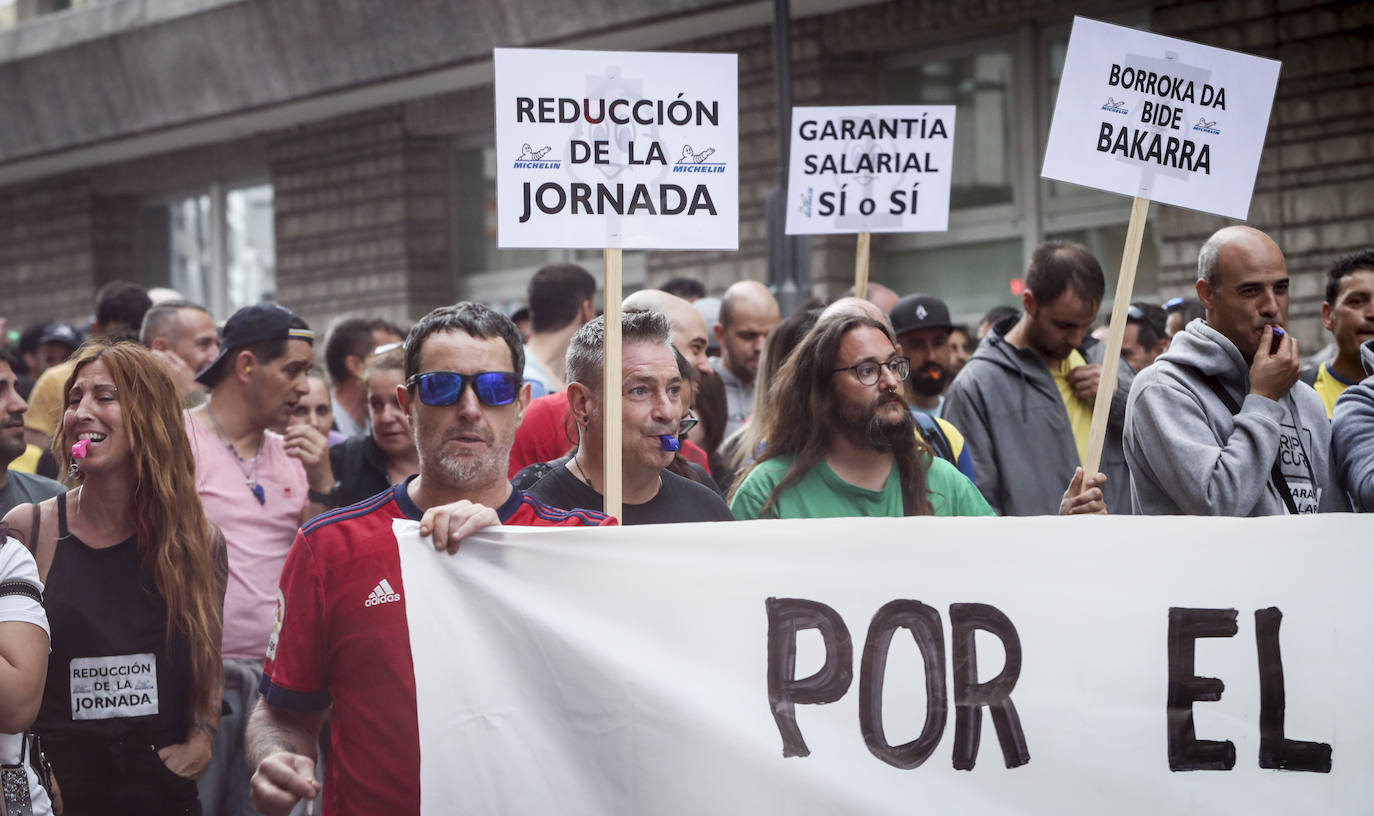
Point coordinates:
[[669, 442]]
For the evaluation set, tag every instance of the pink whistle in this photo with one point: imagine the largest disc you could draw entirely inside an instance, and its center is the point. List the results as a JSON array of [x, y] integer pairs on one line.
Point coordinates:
[[79, 449]]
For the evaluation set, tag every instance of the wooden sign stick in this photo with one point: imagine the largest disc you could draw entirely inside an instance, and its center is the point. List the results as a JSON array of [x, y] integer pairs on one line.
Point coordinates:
[[861, 265], [1106, 387], [611, 386]]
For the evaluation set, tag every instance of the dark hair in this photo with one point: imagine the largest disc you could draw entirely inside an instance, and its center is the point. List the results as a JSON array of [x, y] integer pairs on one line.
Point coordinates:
[[1190, 308], [471, 318], [997, 314], [960, 327], [556, 293], [1346, 265], [161, 318], [1059, 265], [351, 337], [685, 370], [122, 303], [684, 288], [377, 324], [30, 337], [586, 357], [805, 385], [264, 351], [1151, 320], [8, 358]]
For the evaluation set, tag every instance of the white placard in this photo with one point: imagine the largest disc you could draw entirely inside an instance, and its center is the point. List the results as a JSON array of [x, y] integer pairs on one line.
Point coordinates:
[[1160, 118], [610, 671], [875, 168], [114, 686], [616, 149]]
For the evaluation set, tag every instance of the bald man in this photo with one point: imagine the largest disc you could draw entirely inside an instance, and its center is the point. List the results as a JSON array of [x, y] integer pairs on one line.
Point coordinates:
[[748, 314], [1220, 424], [879, 295], [688, 326]]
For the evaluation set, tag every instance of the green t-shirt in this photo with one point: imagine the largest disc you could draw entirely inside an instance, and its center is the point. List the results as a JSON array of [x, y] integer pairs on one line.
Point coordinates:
[[821, 493]]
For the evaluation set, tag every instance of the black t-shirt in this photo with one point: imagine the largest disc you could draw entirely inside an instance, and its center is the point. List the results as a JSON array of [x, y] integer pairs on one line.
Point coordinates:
[[678, 499]]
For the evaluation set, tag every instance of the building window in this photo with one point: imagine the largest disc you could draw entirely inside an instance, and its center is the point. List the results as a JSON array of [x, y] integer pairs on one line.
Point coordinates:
[[217, 247], [1004, 90], [499, 277]]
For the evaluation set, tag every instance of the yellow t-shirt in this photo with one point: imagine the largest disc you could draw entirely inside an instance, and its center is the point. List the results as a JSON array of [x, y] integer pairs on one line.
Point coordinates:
[[1080, 412], [28, 460], [45, 400], [1330, 387]]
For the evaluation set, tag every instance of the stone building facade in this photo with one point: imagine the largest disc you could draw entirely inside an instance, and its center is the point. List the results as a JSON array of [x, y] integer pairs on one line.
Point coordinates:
[[337, 156]]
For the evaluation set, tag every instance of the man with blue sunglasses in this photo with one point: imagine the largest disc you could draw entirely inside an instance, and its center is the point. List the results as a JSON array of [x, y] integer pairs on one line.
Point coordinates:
[[340, 635]]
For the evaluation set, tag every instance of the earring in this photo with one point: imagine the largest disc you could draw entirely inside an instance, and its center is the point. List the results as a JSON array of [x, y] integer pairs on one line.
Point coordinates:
[[73, 470], [247, 369]]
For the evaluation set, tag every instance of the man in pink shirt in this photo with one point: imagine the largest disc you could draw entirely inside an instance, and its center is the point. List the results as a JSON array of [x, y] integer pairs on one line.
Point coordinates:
[[259, 487]]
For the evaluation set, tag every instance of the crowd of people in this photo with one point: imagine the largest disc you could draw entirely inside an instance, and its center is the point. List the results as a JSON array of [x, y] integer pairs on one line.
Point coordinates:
[[200, 603]]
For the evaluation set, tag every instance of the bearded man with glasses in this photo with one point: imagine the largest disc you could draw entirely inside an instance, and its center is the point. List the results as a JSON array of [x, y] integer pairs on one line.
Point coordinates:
[[846, 443], [340, 634]]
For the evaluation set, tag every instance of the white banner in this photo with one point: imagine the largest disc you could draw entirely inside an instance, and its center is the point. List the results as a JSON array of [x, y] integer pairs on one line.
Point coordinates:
[[1160, 118], [651, 670], [616, 149], [876, 168]]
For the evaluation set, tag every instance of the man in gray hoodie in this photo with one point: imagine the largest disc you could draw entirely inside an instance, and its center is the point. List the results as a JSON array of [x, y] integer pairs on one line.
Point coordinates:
[[1220, 424], [1024, 400], [1352, 436]]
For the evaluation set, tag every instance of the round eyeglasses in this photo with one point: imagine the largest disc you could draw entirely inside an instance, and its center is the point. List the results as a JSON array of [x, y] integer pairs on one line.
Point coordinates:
[[870, 372]]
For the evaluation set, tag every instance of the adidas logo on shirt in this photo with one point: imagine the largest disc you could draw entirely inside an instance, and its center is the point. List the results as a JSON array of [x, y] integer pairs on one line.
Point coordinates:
[[382, 593]]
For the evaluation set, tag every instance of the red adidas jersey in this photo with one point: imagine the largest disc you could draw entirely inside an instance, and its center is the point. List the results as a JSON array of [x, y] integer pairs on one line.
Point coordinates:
[[341, 637]]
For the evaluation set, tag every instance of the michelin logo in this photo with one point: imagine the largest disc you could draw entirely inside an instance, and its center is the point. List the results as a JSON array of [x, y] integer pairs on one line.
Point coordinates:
[[1116, 107], [531, 159], [695, 162], [1207, 127]]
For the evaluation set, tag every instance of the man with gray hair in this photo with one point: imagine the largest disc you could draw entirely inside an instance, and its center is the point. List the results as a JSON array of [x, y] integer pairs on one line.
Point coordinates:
[[651, 413], [1220, 424]]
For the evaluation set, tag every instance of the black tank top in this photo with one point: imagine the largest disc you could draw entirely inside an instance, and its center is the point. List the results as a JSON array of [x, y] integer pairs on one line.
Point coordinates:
[[113, 673]]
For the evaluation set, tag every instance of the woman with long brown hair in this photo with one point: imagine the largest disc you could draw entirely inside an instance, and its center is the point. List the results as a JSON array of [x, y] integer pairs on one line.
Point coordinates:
[[134, 579]]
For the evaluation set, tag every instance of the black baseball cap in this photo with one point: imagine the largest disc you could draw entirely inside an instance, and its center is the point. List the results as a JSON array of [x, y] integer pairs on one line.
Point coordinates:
[[920, 312], [60, 333], [254, 324]]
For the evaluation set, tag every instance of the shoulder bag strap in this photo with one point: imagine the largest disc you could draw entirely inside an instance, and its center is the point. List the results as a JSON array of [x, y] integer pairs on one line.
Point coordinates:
[[1275, 472]]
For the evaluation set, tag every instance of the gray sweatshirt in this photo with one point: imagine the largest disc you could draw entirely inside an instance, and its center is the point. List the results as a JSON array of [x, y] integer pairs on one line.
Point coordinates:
[[1188, 455], [1008, 408], [1352, 436]]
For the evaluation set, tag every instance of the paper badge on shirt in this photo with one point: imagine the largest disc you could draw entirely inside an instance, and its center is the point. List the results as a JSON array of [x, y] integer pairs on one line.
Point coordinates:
[[114, 686], [1297, 469]]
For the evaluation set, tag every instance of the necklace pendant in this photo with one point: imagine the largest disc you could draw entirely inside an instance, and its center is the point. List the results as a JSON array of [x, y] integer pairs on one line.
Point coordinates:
[[258, 493]]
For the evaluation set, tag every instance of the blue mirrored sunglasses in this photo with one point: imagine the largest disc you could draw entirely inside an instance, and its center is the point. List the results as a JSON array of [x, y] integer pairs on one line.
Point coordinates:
[[446, 387]]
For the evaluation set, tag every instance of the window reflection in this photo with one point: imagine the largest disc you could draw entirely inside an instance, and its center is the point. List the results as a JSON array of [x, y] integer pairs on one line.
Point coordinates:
[[979, 85]]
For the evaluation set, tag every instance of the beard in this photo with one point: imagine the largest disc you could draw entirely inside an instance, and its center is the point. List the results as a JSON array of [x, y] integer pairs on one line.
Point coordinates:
[[929, 380], [865, 426], [476, 469]]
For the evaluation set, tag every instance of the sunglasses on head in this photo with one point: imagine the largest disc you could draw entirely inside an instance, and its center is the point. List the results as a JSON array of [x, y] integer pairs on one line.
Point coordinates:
[[446, 387]]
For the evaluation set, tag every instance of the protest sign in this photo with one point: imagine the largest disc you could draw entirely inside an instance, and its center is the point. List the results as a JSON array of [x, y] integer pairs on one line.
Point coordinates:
[[616, 150], [866, 169], [1160, 119], [877, 168], [846, 665], [619, 149]]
